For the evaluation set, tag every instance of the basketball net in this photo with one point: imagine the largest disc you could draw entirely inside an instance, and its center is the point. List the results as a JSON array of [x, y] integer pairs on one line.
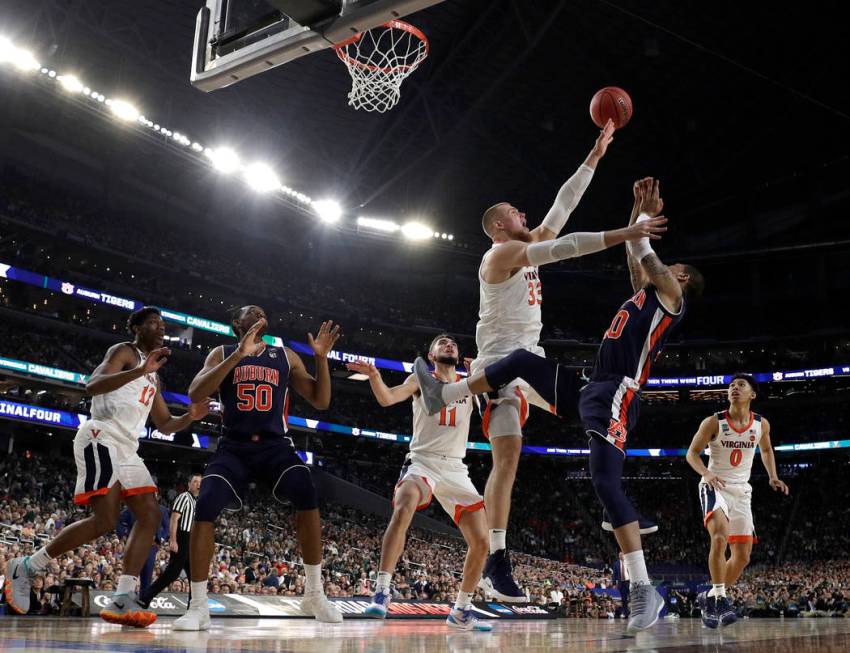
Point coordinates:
[[379, 60]]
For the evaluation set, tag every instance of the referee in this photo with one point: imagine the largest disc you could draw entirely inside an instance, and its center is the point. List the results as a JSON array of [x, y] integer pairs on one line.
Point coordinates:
[[182, 516]]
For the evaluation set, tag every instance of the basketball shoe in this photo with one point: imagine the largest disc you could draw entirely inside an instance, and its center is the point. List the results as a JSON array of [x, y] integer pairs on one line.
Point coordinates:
[[377, 609], [497, 578], [317, 605], [194, 619], [645, 604], [646, 526], [725, 611], [127, 610], [18, 584], [708, 607], [465, 620]]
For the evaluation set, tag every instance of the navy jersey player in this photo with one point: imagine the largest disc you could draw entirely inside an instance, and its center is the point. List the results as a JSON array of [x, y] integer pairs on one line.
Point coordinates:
[[608, 405], [253, 381]]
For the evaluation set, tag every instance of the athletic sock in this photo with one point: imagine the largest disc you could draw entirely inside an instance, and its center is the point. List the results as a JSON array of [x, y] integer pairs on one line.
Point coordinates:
[[718, 590], [451, 392], [636, 566], [313, 584], [497, 539], [39, 560], [463, 599], [126, 584], [199, 595], [383, 581]]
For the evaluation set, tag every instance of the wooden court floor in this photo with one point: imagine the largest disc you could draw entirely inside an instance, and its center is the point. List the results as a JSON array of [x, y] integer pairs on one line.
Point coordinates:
[[59, 635]]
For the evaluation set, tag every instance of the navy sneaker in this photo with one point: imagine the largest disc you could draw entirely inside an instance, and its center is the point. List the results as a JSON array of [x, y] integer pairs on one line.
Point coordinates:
[[709, 613], [646, 526], [726, 612], [497, 579]]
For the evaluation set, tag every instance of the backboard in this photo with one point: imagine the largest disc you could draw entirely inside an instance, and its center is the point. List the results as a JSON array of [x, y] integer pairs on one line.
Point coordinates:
[[236, 39]]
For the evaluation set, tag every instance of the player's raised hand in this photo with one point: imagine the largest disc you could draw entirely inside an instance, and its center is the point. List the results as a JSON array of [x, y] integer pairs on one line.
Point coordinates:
[[252, 341], [779, 486], [651, 202], [603, 140], [325, 339], [199, 409], [714, 481], [467, 364], [652, 229], [362, 367], [156, 359]]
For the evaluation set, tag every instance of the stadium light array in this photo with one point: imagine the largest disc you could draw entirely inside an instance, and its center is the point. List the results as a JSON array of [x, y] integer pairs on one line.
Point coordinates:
[[123, 110], [416, 231], [259, 177], [376, 224], [70, 83], [328, 210]]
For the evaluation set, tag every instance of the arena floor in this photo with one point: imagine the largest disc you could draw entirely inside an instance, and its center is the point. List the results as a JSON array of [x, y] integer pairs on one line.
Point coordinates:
[[296, 635]]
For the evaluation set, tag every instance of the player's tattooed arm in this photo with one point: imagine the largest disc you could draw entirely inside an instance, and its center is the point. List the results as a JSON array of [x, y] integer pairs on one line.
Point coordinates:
[[662, 278], [386, 395], [707, 430], [769, 460]]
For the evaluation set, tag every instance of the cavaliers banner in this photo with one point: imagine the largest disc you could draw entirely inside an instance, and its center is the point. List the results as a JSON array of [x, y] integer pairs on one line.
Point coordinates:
[[251, 605]]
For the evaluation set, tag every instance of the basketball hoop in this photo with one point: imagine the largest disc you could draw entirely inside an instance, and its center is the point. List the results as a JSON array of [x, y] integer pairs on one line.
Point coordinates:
[[379, 60]]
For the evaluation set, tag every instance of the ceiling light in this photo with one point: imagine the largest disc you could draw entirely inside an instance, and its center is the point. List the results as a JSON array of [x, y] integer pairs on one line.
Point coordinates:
[[71, 83], [328, 210], [261, 178], [378, 225], [223, 159], [416, 231]]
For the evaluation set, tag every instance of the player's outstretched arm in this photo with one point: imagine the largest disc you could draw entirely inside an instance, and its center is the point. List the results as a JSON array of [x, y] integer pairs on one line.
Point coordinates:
[[706, 431], [571, 192], [516, 254], [316, 390], [385, 395], [768, 459], [658, 273], [636, 273], [120, 366], [217, 367], [167, 423]]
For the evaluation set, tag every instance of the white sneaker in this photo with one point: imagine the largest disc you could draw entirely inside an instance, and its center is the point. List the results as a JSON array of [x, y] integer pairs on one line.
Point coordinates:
[[194, 619], [317, 605], [18, 584]]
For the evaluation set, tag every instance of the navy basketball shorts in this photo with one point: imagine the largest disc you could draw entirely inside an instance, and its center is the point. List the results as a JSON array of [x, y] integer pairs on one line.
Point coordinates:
[[239, 463], [609, 409]]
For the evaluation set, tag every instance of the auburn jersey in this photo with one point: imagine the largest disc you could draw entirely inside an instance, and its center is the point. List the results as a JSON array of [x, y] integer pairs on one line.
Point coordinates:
[[636, 336], [255, 395]]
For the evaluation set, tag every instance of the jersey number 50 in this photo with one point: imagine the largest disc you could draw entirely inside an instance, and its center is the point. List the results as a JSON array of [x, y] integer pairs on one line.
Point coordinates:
[[253, 397]]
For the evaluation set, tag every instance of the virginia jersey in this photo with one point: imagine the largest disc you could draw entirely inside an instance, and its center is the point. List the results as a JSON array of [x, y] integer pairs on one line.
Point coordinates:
[[127, 408], [255, 395], [443, 434], [731, 452], [509, 314], [636, 336]]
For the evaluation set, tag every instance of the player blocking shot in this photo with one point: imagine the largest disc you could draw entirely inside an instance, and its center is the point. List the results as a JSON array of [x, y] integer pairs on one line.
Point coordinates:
[[511, 296], [608, 405], [732, 437], [252, 380], [433, 468], [126, 390]]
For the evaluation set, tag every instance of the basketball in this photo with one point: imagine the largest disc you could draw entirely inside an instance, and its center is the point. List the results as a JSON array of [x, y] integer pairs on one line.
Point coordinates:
[[611, 102]]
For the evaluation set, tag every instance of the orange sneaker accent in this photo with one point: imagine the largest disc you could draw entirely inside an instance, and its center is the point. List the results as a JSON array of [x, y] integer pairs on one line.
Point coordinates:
[[137, 618], [7, 590]]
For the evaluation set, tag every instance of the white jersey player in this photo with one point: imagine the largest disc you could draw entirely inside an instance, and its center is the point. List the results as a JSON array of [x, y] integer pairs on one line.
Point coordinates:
[[725, 493], [125, 388], [434, 468], [511, 295]]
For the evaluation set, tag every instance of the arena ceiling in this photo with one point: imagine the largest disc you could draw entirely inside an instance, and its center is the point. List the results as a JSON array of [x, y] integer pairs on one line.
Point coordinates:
[[739, 109]]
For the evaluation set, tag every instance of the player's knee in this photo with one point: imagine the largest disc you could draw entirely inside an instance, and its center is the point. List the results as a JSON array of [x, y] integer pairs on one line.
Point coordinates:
[[742, 557], [478, 543], [103, 522], [215, 495], [404, 505], [718, 541], [296, 485]]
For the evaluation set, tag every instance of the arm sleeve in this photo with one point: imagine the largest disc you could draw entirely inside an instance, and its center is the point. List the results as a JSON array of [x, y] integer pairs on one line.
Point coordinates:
[[567, 199], [569, 246]]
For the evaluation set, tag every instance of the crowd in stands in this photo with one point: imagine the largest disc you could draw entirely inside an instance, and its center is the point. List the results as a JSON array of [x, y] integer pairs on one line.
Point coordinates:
[[560, 555]]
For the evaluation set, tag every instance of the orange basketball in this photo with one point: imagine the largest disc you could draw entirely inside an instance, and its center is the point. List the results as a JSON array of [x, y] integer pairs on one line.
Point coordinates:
[[611, 102]]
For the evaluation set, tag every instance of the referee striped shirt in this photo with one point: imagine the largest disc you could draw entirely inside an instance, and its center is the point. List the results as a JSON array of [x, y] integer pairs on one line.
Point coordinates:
[[185, 505]]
